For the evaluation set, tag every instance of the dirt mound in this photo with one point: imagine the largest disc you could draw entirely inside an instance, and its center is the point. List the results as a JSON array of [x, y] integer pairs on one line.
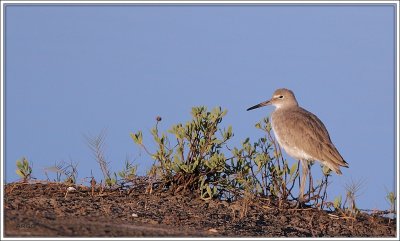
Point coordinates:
[[47, 210]]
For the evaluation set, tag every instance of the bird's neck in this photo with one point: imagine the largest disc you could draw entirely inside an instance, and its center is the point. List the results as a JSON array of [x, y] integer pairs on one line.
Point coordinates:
[[286, 106]]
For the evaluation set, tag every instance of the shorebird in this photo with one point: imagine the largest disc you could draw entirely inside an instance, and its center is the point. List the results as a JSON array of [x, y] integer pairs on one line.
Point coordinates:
[[302, 135]]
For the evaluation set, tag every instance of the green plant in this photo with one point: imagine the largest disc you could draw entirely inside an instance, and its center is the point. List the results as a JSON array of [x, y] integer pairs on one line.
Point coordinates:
[[128, 174], [111, 181], [337, 202], [197, 160], [24, 169], [391, 198]]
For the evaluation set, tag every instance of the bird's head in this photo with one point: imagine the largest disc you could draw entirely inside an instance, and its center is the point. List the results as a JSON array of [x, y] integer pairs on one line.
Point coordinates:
[[280, 98]]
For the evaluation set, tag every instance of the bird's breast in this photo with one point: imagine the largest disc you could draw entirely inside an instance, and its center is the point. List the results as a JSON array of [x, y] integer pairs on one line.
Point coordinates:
[[282, 136]]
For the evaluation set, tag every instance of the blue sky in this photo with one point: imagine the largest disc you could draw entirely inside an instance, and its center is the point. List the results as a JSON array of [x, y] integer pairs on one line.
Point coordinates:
[[76, 70]]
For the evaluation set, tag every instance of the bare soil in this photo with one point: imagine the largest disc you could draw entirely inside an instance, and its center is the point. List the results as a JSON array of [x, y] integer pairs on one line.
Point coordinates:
[[47, 210]]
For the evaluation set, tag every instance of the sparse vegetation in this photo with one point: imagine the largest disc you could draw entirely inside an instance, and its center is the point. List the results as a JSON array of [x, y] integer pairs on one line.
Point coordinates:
[[391, 198], [352, 193], [97, 145], [64, 169], [122, 178], [195, 160], [128, 174]]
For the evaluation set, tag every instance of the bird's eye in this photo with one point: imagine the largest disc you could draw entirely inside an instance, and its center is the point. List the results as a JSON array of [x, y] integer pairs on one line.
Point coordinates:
[[281, 97]]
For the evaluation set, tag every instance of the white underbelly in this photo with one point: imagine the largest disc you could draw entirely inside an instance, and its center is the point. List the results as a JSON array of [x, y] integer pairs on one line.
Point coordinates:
[[297, 153], [293, 151]]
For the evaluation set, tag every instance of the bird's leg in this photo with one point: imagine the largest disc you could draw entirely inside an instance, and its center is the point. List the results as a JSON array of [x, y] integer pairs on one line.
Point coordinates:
[[310, 182], [304, 174]]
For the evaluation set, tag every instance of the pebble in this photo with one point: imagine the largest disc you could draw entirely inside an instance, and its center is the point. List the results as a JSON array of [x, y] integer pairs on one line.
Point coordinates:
[[70, 189]]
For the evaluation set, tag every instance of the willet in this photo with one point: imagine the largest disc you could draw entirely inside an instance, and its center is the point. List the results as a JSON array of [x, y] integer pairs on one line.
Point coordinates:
[[301, 134]]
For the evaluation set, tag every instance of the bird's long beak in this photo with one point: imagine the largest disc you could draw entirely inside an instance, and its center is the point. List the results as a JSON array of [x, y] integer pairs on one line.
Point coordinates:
[[260, 105]]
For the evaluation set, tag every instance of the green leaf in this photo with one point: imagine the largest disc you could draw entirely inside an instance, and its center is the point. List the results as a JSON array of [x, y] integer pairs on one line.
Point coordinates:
[[20, 165], [209, 192], [137, 138], [214, 190], [293, 168], [20, 173], [326, 170], [391, 197], [337, 203], [203, 180]]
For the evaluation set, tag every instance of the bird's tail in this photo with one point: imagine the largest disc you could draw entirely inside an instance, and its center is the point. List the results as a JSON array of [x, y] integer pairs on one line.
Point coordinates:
[[334, 160]]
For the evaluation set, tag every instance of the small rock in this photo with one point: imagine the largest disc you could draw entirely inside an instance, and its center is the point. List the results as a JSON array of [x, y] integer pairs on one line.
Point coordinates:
[[134, 215], [213, 230], [70, 189]]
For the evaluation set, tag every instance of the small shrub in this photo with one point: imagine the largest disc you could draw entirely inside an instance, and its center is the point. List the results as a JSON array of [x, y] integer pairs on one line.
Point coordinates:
[[196, 161], [337, 203], [24, 169], [391, 198], [129, 172]]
